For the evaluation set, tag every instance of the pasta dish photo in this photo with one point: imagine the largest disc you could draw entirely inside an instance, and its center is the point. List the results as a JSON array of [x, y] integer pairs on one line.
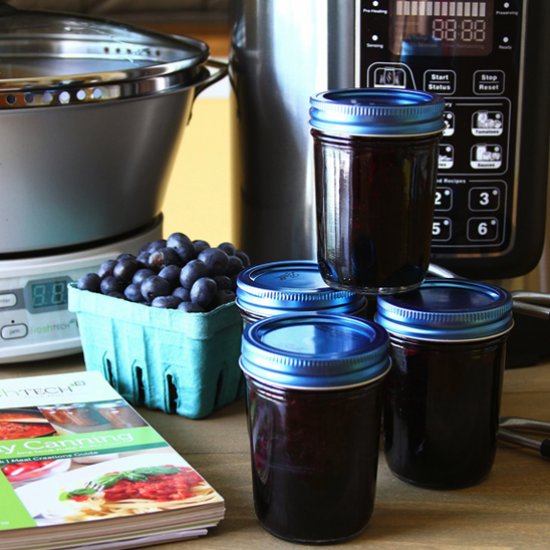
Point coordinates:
[[138, 491], [138, 483]]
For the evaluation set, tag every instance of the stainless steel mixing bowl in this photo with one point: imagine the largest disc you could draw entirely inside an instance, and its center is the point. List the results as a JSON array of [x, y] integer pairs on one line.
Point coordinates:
[[91, 113]]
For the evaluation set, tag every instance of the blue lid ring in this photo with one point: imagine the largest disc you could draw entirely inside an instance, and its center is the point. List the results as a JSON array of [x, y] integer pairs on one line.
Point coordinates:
[[315, 351], [447, 310], [375, 112], [291, 285]]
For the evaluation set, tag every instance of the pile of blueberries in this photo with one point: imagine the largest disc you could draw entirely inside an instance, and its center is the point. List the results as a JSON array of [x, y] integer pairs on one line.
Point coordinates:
[[173, 273]]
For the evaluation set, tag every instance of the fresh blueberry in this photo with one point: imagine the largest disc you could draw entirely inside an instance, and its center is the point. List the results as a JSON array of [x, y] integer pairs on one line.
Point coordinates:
[[172, 274], [182, 293], [125, 256], [200, 245], [176, 240], [224, 282], [186, 252], [166, 302], [143, 257], [133, 293], [153, 245], [90, 281], [234, 265], [155, 286], [203, 292], [225, 296], [215, 259], [190, 307], [244, 257], [125, 268], [163, 257], [141, 274], [228, 248], [106, 268], [193, 270], [110, 284]]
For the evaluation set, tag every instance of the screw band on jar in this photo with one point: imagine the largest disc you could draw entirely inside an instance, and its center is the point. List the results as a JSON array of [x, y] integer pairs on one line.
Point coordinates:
[[374, 112], [315, 351], [290, 286], [447, 310]]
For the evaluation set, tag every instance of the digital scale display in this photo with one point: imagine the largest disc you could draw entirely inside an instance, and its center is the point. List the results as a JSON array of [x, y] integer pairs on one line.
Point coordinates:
[[35, 320], [440, 28], [46, 294]]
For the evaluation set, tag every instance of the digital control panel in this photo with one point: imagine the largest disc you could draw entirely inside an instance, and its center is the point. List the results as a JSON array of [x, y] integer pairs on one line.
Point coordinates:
[[34, 314], [469, 52], [35, 322]]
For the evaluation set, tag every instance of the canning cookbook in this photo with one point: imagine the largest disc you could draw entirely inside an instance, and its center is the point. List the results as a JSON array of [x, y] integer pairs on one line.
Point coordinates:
[[80, 468]]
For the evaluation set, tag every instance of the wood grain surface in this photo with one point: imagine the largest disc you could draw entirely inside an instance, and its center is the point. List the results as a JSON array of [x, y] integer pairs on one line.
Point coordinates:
[[509, 510]]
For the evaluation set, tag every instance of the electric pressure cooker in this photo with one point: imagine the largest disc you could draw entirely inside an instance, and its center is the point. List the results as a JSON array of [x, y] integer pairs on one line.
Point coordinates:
[[490, 59]]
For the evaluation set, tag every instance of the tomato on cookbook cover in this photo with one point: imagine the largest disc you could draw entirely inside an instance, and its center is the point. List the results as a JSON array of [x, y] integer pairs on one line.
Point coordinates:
[[75, 455]]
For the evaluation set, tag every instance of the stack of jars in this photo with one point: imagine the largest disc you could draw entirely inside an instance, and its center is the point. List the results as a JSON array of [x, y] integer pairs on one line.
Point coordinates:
[[321, 370]]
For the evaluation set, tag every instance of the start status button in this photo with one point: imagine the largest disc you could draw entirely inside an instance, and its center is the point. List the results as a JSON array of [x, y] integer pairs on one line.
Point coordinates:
[[440, 82], [488, 82]]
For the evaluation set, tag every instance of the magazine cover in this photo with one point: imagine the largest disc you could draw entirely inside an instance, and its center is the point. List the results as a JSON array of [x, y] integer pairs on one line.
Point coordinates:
[[73, 451]]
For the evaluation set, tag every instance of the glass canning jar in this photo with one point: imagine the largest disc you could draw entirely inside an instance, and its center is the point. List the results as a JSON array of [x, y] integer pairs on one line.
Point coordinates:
[[376, 154], [314, 403], [448, 347]]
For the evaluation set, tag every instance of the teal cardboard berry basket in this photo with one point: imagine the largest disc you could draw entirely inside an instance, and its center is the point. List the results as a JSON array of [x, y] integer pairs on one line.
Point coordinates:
[[178, 362]]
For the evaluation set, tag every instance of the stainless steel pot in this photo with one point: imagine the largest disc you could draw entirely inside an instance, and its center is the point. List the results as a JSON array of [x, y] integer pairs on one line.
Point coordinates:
[[91, 113]]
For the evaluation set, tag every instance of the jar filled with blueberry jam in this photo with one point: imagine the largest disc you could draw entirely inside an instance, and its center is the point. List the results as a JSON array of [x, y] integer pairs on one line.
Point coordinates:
[[291, 286], [376, 153], [443, 392], [314, 397]]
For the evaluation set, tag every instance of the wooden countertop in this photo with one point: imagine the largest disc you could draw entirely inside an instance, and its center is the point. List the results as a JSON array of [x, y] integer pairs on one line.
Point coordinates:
[[509, 510]]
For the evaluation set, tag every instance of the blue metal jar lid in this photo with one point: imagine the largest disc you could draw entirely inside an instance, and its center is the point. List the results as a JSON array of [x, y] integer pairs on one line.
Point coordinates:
[[377, 112], [447, 310], [286, 286], [315, 351]]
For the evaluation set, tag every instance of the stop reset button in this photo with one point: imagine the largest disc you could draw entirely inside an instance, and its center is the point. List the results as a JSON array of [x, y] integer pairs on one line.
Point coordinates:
[[489, 82]]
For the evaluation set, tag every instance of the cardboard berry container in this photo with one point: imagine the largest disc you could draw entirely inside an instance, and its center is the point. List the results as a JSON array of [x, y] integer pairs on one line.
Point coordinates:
[[164, 359]]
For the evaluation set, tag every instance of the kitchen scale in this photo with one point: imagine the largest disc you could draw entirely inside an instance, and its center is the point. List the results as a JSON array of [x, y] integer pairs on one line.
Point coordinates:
[[34, 320]]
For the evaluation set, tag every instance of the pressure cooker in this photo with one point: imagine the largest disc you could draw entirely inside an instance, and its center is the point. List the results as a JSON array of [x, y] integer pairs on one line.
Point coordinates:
[[489, 59]]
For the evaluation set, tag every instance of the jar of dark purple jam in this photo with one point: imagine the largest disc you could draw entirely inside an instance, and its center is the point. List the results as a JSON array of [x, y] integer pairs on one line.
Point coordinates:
[[441, 413], [290, 286], [376, 153], [314, 403]]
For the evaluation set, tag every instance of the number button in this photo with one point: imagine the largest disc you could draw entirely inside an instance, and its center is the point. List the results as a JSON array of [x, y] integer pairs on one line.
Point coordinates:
[[443, 199], [484, 199], [483, 229], [441, 229]]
